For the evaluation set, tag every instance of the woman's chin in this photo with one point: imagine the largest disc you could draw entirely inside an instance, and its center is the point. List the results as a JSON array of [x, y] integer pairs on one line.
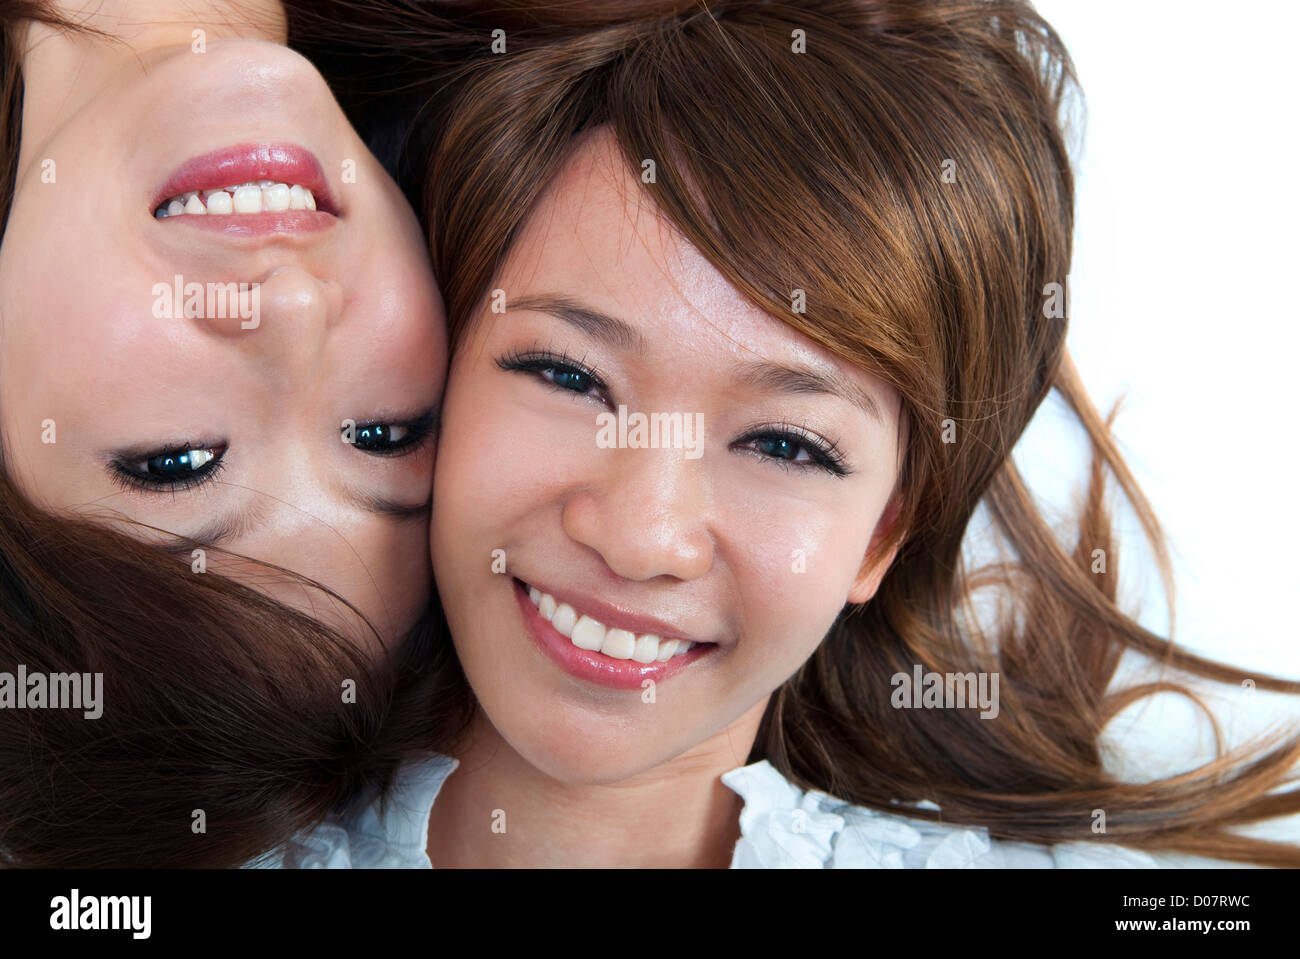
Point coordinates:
[[612, 760]]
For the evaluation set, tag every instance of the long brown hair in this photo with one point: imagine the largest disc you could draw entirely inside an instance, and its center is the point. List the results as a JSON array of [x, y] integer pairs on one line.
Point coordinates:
[[226, 724], [909, 170]]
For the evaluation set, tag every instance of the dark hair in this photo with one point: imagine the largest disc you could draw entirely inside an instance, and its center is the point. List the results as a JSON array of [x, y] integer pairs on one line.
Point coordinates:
[[823, 170]]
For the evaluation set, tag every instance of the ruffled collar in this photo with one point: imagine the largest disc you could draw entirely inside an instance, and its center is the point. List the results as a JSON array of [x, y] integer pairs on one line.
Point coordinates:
[[781, 826]]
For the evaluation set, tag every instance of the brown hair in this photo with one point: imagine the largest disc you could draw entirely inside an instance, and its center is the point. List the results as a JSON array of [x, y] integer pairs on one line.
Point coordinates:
[[215, 697], [824, 170]]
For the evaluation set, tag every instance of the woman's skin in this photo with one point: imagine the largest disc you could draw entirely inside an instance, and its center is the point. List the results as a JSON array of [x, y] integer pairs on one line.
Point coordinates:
[[587, 774], [350, 324]]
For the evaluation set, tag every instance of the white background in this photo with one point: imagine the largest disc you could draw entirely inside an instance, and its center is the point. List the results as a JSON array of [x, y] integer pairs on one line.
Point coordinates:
[[1184, 298]]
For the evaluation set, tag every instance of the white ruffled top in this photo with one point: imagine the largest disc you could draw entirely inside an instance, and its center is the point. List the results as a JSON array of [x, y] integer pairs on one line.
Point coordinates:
[[781, 827]]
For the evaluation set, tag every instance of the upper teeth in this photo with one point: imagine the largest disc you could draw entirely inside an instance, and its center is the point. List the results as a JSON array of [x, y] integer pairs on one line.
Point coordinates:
[[590, 634], [252, 197]]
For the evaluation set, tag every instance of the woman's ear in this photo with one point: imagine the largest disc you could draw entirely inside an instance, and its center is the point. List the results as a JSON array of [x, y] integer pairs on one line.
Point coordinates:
[[873, 570]]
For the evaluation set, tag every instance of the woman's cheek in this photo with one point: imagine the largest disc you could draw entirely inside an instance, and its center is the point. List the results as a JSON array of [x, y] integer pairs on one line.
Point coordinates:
[[794, 582], [482, 452]]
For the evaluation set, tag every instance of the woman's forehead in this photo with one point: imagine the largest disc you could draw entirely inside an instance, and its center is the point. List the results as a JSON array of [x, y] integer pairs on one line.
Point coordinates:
[[596, 235]]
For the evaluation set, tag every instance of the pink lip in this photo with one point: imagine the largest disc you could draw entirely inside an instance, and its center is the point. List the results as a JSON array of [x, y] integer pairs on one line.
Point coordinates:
[[592, 666], [282, 162], [256, 224], [614, 617]]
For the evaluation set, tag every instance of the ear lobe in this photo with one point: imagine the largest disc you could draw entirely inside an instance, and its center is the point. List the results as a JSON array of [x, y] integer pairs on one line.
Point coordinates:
[[870, 575]]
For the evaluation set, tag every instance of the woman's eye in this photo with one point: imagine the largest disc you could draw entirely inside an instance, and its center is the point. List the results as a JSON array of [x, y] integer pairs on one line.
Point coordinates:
[[783, 448], [172, 469], [567, 378], [559, 371], [386, 439], [379, 436], [795, 449]]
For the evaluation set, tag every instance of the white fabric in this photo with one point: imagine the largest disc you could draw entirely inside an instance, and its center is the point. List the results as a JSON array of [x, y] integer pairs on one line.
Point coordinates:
[[781, 827]]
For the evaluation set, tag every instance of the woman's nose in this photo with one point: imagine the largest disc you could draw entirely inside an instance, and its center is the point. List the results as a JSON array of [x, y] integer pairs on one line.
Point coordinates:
[[289, 309], [647, 515]]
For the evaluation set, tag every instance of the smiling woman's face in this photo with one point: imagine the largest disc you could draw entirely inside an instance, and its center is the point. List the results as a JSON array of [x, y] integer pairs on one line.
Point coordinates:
[[216, 417], [745, 532]]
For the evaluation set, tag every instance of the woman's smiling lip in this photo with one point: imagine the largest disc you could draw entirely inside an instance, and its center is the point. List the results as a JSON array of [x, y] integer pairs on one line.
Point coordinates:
[[249, 162], [259, 224], [612, 616], [596, 667]]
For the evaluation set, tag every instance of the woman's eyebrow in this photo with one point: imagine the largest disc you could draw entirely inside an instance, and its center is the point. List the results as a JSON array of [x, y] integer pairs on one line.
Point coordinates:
[[775, 377], [238, 522], [382, 506], [608, 329], [761, 374], [221, 530]]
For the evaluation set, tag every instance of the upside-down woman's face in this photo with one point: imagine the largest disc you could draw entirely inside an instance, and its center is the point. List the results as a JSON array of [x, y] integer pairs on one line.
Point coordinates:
[[258, 370], [661, 577]]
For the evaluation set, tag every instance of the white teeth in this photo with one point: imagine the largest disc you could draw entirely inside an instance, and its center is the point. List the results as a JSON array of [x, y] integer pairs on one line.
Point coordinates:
[[547, 606], [275, 197], [619, 643], [590, 634], [564, 619], [221, 202], [252, 197], [248, 199], [646, 649]]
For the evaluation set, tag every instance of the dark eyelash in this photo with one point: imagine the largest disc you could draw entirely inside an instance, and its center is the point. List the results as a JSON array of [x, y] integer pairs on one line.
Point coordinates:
[[419, 429], [130, 481], [826, 454], [537, 360]]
